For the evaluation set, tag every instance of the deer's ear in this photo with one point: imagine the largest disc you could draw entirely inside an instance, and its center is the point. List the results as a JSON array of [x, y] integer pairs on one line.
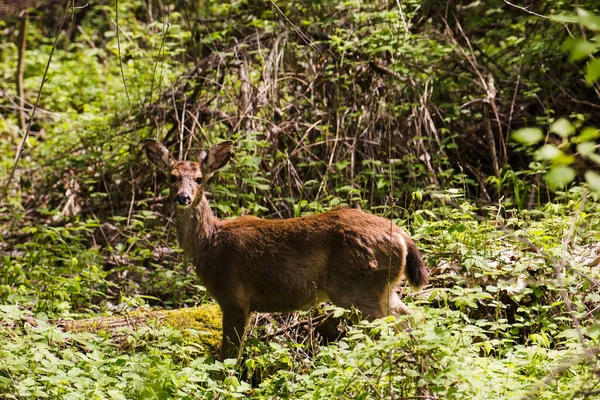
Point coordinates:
[[158, 155], [216, 157]]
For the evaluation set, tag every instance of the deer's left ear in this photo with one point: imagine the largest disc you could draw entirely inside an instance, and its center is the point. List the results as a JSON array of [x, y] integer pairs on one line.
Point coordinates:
[[216, 157]]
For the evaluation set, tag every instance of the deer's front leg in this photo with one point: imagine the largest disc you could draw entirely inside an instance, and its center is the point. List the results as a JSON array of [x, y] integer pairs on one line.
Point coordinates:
[[234, 325]]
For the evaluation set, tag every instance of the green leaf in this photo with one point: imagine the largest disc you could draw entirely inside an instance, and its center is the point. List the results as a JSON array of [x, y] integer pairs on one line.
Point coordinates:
[[594, 157], [586, 148], [581, 50], [232, 382], [560, 176], [230, 362], [464, 301], [528, 136], [563, 159], [457, 227], [548, 152], [593, 71], [433, 294], [338, 312], [564, 19], [593, 179], [588, 134], [562, 127], [589, 20]]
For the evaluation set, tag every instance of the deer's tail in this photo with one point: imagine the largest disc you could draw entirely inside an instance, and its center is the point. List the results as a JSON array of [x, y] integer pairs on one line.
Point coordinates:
[[415, 270]]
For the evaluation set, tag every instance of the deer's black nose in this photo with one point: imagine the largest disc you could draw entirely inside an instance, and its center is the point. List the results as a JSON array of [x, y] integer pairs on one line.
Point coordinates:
[[183, 199]]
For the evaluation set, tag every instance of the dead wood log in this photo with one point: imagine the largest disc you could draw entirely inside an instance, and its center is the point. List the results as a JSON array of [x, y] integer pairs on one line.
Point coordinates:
[[201, 325]]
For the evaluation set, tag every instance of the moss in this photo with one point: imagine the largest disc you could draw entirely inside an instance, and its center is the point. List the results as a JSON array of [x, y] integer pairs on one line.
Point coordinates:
[[200, 325]]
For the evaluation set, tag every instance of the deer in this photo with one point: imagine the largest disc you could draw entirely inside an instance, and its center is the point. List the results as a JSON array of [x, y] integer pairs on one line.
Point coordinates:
[[249, 264]]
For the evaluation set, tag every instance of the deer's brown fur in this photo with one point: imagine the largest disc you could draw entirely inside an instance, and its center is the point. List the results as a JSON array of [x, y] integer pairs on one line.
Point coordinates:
[[250, 264]]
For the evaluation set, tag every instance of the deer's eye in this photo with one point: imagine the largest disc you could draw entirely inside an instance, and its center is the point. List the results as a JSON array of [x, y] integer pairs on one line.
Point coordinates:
[[173, 178], [199, 181]]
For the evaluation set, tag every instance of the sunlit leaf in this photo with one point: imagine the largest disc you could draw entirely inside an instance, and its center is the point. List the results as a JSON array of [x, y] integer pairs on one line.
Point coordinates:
[[588, 19], [586, 148], [562, 127], [231, 381], [564, 19], [581, 50], [547, 152], [594, 157], [593, 179], [593, 71], [560, 176], [552, 153], [528, 136], [563, 159], [588, 134]]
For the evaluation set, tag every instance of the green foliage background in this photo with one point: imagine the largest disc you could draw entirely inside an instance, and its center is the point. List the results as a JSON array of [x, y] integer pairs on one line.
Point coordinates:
[[404, 108]]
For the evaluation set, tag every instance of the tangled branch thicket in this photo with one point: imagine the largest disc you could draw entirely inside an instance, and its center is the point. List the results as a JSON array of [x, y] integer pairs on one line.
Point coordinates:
[[369, 98], [434, 98]]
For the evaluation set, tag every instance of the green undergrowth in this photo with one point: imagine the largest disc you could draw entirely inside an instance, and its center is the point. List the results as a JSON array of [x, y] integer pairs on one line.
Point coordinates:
[[508, 314], [444, 355]]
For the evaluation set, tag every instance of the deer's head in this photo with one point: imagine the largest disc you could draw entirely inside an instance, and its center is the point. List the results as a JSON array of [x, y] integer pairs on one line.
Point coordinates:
[[187, 178]]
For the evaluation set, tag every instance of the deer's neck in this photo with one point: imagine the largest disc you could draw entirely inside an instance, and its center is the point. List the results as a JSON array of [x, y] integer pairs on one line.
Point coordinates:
[[195, 228]]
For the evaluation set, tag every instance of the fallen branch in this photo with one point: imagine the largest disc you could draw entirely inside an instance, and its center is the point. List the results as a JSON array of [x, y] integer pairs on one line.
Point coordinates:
[[201, 325]]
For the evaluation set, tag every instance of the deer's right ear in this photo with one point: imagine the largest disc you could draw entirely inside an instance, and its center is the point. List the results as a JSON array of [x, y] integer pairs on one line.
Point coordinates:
[[158, 155], [216, 157]]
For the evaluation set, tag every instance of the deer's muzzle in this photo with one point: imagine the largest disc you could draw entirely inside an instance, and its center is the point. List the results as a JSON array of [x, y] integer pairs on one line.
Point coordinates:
[[183, 200]]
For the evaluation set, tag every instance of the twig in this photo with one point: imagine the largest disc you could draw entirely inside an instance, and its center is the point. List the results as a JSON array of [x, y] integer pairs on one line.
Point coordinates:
[[390, 249], [489, 136], [512, 103], [132, 197], [386, 70], [330, 163], [298, 31], [179, 123], [246, 105], [401, 12], [37, 101], [158, 54], [22, 42], [119, 50], [563, 265], [525, 9], [490, 99], [297, 324]]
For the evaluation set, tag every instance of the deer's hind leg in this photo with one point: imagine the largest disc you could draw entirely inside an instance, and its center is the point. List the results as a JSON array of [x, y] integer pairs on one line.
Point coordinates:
[[362, 276], [392, 304]]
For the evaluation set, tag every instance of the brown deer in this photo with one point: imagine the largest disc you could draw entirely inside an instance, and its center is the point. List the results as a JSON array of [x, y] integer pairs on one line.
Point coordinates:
[[250, 264]]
